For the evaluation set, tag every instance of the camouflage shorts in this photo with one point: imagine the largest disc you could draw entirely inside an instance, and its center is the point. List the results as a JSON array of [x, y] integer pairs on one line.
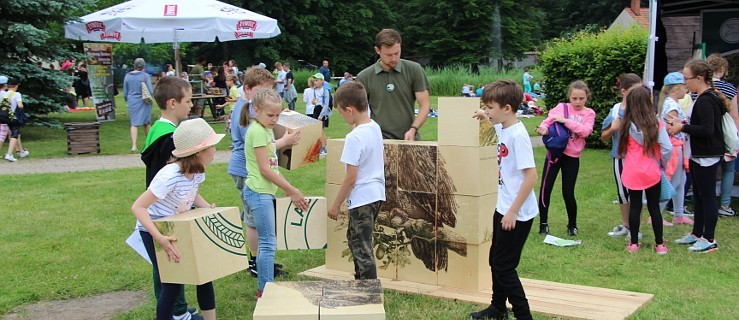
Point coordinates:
[[359, 234]]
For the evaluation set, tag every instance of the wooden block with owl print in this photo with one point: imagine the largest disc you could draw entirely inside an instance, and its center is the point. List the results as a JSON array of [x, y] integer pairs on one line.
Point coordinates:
[[471, 171], [457, 127]]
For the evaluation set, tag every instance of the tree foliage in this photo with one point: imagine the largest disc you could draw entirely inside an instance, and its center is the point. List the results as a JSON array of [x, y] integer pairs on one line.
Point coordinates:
[[33, 31]]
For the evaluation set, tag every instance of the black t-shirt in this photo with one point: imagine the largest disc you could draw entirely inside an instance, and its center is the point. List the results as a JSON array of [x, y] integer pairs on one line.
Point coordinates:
[[289, 76]]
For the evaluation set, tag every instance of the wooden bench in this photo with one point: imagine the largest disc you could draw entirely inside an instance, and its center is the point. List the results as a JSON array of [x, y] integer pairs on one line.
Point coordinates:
[[552, 298]]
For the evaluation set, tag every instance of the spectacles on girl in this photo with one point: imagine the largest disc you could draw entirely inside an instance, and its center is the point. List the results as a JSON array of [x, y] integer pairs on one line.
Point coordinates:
[[686, 79]]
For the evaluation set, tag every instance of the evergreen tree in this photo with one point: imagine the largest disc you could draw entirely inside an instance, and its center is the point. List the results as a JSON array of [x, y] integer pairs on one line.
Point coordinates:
[[33, 31]]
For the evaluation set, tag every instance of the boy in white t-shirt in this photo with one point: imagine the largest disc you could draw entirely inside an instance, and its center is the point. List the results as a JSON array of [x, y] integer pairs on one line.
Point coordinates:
[[363, 187], [14, 129], [516, 206]]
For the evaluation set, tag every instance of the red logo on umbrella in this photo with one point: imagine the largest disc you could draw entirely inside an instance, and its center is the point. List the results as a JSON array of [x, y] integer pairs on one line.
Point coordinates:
[[111, 35], [243, 34], [170, 10], [95, 26], [246, 24]]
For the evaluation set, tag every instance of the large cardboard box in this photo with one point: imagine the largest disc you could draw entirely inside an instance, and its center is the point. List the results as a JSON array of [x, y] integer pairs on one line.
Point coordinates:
[[210, 242], [308, 149], [470, 271], [338, 255], [473, 218], [330, 299], [471, 171], [456, 126], [298, 229], [335, 169], [304, 300]]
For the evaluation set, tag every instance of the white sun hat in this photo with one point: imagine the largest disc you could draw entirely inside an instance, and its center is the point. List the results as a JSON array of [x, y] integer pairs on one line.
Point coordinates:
[[192, 136]]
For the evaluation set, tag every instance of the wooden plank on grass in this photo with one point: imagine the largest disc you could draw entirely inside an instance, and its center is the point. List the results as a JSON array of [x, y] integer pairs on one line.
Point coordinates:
[[552, 298]]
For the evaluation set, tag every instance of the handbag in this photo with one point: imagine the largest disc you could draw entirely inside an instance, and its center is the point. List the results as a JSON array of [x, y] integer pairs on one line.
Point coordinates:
[[145, 94]]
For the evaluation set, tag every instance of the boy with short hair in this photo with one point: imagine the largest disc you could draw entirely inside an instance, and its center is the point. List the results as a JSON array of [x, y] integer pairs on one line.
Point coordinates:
[[363, 187], [174, 98], [516, 206]]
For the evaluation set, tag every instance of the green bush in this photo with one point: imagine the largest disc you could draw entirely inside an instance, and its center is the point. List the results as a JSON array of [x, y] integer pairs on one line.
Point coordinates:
[[598, 59]]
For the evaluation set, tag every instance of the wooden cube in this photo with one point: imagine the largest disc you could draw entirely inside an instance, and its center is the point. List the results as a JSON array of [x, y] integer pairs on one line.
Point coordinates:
[[470, 271], [457, 127], [308, 149], [82, 137], [304, 301], [335, 169], [297, 229], [471, 171], [473, 218], [210, 243], [360, 300]]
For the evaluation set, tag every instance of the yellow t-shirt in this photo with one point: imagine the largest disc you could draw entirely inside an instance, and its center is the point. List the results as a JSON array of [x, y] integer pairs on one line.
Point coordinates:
[[259, 136], [233, 93]]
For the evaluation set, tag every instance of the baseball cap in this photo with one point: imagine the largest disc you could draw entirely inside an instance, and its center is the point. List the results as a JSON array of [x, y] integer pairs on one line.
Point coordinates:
[[318, 76], [674, 78], [3, 80]]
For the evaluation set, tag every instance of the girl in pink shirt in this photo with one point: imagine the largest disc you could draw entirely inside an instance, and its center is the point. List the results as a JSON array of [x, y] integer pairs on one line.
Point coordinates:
[[580, 123], [645, 146]]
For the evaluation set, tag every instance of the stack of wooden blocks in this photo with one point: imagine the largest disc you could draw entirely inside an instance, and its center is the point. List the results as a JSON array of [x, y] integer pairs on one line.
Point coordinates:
[[436, 225], [82, 137]]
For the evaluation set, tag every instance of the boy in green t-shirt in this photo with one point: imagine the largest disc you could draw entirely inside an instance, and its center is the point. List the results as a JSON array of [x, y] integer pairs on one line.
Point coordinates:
[[174, 98]]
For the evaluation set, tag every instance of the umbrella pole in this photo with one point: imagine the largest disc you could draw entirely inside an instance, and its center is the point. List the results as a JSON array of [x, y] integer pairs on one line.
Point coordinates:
[[176, 47]]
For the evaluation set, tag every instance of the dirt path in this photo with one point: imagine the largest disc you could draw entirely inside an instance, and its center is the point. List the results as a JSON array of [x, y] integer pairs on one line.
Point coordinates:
[[100, 307]]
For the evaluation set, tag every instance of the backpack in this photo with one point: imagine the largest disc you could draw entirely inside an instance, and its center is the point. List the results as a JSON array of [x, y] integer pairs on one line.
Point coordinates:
[[730, 136], [557, 137], [6, 114]]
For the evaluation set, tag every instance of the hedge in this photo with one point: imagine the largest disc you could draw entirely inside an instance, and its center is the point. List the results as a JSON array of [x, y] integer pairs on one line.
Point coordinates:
[[598, 59]]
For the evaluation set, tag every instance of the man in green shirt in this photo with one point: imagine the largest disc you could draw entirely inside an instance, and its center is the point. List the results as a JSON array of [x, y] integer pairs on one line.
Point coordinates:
[[198, 73], [393, 86]]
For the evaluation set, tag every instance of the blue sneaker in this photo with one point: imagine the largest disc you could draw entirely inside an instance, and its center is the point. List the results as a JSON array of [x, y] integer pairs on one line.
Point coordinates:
[[687, 239], [704, 246]]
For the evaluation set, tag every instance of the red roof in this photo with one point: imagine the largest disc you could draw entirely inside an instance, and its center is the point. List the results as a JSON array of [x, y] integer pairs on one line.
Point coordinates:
[[642, 18]]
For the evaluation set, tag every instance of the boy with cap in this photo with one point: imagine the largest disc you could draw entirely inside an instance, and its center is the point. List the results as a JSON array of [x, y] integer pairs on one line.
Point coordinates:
[[318, 105], [16, 101]]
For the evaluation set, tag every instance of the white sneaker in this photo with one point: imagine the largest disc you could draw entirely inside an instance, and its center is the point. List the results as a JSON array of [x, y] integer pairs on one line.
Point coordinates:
[[628, 235], [726, 211], [619, 231], [24, 153], [10, 158]]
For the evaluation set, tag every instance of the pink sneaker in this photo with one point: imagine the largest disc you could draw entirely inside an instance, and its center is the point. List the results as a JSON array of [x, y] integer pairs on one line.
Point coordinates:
[[682, 220], [633, 247], [660, 249], [664, 222]]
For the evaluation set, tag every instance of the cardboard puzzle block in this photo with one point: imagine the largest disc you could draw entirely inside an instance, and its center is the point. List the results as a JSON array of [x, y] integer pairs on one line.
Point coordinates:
[[335, 170], [356, 300], [473, 218], [297, 229], [304, 301], [308, 149], [469, 270], [457, 127], [472, 171], [210, 242], [338, 255], [417, 166]]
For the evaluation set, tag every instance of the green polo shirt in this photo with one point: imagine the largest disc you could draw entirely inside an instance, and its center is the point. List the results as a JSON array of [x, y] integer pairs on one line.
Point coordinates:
[[392, 95]]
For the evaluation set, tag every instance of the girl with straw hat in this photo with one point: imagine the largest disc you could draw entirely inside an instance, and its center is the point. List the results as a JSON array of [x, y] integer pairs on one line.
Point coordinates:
[[175, 190]]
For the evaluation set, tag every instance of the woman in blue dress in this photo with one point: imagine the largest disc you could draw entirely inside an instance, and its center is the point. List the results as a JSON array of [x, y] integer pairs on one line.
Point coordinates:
[[139, 109]]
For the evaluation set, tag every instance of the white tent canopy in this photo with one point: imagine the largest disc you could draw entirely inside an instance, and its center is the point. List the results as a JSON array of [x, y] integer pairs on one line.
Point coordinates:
[[158, 21]]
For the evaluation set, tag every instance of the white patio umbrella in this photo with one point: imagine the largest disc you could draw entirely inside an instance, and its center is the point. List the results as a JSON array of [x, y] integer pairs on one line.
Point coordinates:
[[158, 21]]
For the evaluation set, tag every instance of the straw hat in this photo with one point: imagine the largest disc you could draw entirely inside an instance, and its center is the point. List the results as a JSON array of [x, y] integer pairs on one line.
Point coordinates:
[[193, 136]]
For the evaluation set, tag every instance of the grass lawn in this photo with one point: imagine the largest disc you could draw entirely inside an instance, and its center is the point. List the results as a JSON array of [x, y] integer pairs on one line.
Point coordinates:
[[46, 142], [64, 233]]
